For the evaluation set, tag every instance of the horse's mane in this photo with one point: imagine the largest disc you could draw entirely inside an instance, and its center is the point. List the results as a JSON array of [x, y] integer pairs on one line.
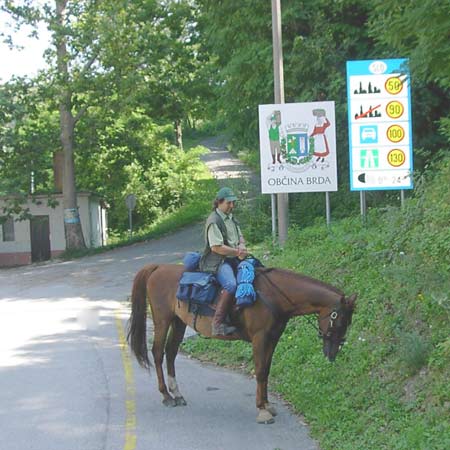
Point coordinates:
[[291, 273]]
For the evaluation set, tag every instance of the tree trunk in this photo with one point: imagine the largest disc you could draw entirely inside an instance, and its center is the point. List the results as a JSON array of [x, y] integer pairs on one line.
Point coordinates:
[[72, 225], [178, 134]]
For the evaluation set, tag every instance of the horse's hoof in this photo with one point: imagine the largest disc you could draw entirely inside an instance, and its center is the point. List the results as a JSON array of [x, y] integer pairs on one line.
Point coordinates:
[[271, 408], [180, 401], [169, 402], [264, 417]]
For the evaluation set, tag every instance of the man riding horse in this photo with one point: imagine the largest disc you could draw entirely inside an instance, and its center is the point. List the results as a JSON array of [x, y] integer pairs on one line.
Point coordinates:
[[224, 247], [281, 295]]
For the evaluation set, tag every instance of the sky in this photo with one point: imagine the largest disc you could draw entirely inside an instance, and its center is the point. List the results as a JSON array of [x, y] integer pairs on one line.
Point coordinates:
[[22, 62]]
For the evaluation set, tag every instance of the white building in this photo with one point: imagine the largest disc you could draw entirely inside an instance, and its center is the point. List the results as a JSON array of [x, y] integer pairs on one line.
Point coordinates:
[[42, 236]]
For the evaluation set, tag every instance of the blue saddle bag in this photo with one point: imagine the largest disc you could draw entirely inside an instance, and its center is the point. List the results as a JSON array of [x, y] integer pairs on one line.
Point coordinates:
[[191, 261], [199, 287]]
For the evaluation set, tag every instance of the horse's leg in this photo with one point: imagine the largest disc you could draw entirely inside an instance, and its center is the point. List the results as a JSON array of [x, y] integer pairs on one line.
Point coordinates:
[[159, 339], [263, 348], [173, 343]]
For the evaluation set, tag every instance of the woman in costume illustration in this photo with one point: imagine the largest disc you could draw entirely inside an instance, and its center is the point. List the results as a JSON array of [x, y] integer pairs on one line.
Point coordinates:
[[321, 148]]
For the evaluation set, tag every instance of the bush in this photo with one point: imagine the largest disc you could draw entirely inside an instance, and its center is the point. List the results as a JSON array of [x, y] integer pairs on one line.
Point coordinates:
[[413, 351]]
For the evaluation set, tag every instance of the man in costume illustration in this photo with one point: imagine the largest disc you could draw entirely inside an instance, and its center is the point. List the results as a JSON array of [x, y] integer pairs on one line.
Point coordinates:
[[273, 125]]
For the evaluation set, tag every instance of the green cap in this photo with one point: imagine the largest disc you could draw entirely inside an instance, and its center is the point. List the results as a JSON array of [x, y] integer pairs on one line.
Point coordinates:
[[226, 194]]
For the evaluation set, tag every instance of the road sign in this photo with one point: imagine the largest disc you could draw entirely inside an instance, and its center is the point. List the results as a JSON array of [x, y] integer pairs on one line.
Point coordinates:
[[379, 120], [130, 201], [298, 147]]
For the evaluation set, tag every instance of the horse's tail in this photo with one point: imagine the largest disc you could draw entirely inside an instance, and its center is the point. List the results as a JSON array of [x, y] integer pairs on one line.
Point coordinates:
[[137, 325]]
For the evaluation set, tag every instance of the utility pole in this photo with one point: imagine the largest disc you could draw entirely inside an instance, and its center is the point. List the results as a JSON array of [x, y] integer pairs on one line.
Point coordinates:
[[282, 199]]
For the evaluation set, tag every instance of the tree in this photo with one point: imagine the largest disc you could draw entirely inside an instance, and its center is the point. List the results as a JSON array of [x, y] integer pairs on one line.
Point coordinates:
[[67, 52], [82, 33], [27, 138], [421, 32], [318, 37], [119, 71], [172, 68]]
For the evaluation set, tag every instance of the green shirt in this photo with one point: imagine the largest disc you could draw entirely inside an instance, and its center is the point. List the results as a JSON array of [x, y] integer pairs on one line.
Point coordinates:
[[233, 231], [274, 133]]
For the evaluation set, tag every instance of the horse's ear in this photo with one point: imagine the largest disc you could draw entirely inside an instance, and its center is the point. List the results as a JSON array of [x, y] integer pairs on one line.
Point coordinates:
[[351, 301]]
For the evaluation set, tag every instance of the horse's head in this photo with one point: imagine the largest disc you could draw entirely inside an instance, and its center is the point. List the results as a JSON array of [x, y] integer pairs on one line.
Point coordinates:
[[333, 326]]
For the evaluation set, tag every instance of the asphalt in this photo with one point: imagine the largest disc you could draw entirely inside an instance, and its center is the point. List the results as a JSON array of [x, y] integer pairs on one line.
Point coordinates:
[[67, 381]]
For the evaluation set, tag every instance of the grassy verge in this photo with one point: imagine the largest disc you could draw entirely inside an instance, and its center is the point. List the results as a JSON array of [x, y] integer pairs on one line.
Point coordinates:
[[389, 388]]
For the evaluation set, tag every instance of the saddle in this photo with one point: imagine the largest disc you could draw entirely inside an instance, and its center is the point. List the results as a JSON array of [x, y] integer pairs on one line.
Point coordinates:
[[200, 289]]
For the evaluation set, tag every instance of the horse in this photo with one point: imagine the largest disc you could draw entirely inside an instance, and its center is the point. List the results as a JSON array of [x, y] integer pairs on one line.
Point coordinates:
[[281, 294]]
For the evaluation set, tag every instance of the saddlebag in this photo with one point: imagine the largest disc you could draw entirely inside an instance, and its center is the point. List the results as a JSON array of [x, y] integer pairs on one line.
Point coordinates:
[[199, 287]]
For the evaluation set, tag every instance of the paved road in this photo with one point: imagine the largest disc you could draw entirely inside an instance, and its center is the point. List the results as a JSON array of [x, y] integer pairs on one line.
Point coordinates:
[[67, 382]]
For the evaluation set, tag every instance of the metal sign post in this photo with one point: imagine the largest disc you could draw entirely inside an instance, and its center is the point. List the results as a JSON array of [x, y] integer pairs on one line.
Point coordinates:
[[282, 199], [130, 201], [327, 208], [363, 205], [273, 199]]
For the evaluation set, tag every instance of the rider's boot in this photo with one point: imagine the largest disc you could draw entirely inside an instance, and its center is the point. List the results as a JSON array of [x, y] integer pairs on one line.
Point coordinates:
[[219, 327]]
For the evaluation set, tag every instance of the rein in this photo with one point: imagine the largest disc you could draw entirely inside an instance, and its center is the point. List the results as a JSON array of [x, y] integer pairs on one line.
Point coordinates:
[[277, 288]]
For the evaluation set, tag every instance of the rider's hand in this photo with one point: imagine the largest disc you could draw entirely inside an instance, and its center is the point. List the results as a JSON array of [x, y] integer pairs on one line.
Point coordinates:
[[242, 252]]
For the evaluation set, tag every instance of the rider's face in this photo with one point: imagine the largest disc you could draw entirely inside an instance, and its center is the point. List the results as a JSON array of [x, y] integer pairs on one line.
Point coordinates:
[[226, 206]]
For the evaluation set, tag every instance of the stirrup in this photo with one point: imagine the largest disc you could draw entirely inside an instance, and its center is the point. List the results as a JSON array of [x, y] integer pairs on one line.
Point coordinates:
[[223, 329]]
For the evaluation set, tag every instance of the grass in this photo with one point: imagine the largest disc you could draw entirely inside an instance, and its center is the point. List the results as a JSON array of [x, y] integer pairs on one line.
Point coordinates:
[[389, 387]]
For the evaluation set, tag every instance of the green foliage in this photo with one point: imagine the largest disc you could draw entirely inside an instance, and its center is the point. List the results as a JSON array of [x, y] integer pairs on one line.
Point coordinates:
[[239, 41], [135, 156], [419, 30], [389, 387], [28, 132], [252, 211]]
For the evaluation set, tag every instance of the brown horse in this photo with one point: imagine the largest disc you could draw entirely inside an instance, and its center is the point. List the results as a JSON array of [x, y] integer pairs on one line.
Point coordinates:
[[281, 294]]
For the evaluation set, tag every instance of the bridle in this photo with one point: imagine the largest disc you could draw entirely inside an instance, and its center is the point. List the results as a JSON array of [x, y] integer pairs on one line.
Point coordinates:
[[332, 325], [333, 315]]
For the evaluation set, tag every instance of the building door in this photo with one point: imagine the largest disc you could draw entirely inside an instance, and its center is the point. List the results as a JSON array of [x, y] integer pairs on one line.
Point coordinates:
[[40, 238]]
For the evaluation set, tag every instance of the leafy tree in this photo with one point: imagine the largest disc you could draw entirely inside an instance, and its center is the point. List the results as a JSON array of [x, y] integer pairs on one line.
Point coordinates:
[[171, 67], [72, 57], [318, 38], [420, 30], [239, 38], [133, 155], [27, 138], [112, 66]]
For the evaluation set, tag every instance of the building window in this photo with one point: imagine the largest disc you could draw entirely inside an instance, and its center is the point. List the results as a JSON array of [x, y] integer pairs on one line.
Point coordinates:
[[8, 229]]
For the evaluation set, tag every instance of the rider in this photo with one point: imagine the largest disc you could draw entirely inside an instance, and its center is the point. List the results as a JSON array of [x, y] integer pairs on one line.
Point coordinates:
[[224, 247]]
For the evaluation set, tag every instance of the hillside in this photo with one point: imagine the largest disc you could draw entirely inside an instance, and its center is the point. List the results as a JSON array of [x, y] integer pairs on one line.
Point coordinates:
[[389, 387]]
